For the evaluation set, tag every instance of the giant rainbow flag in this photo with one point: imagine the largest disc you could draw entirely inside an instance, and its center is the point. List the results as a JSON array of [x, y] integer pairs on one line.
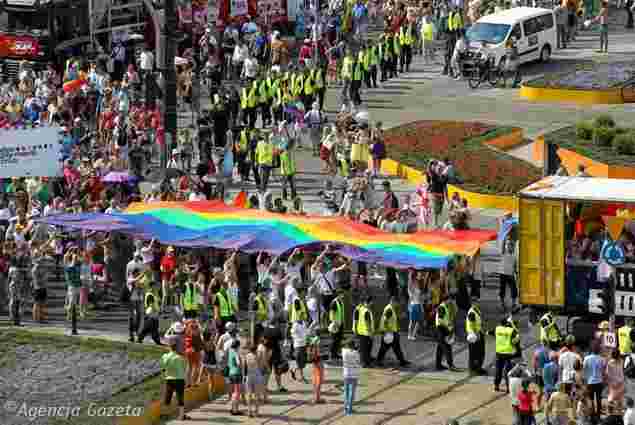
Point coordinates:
[[214, 224]]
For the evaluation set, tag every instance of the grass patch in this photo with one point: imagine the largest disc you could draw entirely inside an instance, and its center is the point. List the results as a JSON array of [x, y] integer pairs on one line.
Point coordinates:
[[567, 138]]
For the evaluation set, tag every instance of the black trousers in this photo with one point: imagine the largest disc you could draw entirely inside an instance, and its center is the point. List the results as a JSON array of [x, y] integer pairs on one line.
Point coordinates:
[[406, 58], [596, 394], [265, 109], [135, 314], [150, 327], [385, 67], [336, 343], [503, 363], [365, 349], [449, 50], [372, 72], [476, 354], [321, 93], [443, 350], [254, 168], [243, 165], [265, 173], [356, 98], [278, 113], [288, 181], [396, 348]]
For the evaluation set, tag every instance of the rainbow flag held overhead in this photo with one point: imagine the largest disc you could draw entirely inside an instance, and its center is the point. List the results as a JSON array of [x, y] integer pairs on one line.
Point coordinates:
[[214, 224]]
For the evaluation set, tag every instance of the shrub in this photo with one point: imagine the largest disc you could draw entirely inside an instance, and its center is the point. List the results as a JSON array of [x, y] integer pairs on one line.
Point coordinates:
[[604, 121], [584, 130], [624, 144], [603, 136]]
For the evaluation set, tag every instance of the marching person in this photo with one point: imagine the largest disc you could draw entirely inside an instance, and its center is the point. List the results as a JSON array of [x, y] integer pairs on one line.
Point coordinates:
[[506, 338], [475, 339], [336, 326], [363, 327], [444, 323], [151, 319], [173, 367], [389, 328], [625, 338]]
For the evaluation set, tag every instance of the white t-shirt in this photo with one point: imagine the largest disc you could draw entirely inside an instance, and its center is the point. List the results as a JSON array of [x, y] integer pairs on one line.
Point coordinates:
[[325, 281], [251, 68], [147, 60], [414, 294], [290, 295], [351, 363], [299, 334], [515, 385], [147, 254], [567, 364]]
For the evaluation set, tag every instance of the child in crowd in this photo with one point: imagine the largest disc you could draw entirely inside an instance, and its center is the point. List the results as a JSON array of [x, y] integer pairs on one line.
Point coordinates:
[[526, 404]]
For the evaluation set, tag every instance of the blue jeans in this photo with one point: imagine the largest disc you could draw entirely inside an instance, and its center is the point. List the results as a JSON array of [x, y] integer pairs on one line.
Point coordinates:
[[350, 386]]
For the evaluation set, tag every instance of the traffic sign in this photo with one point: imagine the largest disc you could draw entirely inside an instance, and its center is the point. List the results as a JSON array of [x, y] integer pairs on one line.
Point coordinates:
[[610, 340]]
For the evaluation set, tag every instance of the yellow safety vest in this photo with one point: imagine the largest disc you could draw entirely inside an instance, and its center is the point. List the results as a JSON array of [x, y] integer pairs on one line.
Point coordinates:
[[287, 163], [300, 314], [357, 74], [451, 21], [504, 344], [262, 312], [444, 319], [155, 305], [364, 327], [374, 56], [389, 324], [272, 85], [361, 60], [263, 91], [473, 326], [347, 68], [336, 314], [458, 21], [244, 99], [318, 78], [395, 44], [226, 307], [549, 333], [190, 298], [428, 32], [308, 85], [264, 153], [243, 141], [252, 99], [624, 339], [404, 36]]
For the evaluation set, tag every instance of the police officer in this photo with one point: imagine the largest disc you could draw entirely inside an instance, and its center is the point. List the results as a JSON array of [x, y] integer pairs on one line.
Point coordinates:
[[336, 325], [389, 329], [151, 320], [549, 333], [406, 40], [506, 339], [444, 323], [364, 328], [299, 311], [264, 159], [475, 339], [224, 311]]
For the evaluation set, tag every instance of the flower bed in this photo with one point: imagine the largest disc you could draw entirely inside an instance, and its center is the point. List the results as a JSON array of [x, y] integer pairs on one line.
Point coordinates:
[[567, 138], [483, 169], [591, 77]]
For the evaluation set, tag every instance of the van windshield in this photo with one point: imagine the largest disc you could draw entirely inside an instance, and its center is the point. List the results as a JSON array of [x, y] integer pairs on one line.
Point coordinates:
[[487, 32]]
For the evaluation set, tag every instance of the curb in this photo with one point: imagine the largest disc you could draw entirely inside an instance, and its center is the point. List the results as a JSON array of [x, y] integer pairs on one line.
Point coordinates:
[[571, 160], [194, 396], [474, 199], [610, 96]]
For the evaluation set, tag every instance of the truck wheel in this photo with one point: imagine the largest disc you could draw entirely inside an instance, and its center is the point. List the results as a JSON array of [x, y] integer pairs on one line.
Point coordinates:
[[545, 53]]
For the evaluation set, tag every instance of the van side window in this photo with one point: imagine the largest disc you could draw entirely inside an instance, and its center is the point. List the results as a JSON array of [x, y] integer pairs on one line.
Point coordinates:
[[530, 26], [516, 33], [547, 21]]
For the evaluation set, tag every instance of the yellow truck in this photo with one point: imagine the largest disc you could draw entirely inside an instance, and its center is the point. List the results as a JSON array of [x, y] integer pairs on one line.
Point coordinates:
[[566, 227]]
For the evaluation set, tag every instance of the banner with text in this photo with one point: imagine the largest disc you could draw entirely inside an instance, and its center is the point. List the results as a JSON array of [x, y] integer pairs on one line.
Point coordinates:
[[238, 8], [30, 153]]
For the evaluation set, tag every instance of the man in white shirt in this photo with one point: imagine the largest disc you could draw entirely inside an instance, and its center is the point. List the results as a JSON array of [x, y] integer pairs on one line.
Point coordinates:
[[459, 48], [324, 277], [250, 68], [567, 362], [299, 334]]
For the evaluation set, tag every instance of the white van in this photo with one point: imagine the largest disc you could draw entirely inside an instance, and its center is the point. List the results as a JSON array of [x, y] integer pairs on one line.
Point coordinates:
[[533, 28]]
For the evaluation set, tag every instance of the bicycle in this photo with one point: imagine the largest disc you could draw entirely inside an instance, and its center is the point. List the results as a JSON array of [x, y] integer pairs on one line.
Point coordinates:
[[483, 69]]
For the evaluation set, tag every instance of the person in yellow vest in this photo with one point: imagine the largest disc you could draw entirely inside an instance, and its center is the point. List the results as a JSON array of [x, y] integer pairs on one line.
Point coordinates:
[[241, 153], [475, 339], [427, 35], [372, 53], [396, 53], [389, 329], [406, 40], [361, 59], [319, 85], [549, 333], [298, 312], [346, 75], [264, 95], [288, 169], [506, 339], [336, 325], [356, 83], [625, 338], [261, 308], [249, 104], [190, 299], [364, 329], [308, 89], [264, 159], [444, 323], [151, 319], [278, 97], [224, 311], [454, 25]]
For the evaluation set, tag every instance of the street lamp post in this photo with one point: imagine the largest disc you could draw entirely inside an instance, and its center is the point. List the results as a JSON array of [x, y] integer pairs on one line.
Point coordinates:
[[169, 113]]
